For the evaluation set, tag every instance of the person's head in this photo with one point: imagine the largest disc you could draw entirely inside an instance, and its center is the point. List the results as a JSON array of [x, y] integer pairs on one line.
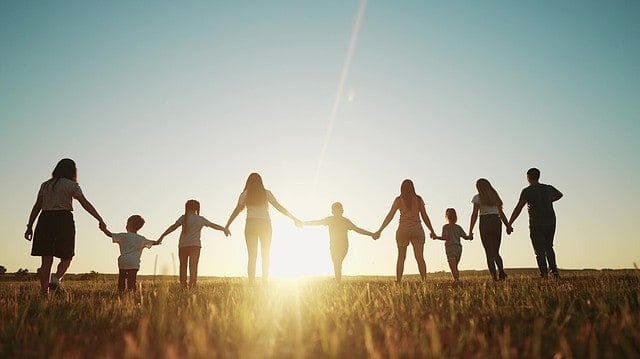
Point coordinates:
[[488, 195], [134, 223], [256, 194], [533, 175], [190, 207], [66, 168], [451, 215], [336, 209], [407, 192]]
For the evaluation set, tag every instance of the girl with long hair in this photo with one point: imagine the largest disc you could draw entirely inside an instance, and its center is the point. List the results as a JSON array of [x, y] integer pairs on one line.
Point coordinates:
[[488, 205], [189, 244], [55, 232], [412, 208], [256, 199]]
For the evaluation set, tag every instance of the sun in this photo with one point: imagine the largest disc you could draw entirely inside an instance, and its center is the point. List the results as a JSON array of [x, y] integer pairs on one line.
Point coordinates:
[[299, 252]]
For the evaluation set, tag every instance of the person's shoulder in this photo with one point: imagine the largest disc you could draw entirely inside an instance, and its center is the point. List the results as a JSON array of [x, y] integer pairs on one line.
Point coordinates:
[[475, 198]]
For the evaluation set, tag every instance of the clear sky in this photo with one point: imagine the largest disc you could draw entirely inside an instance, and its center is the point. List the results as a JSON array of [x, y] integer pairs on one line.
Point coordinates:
[[159, 102]]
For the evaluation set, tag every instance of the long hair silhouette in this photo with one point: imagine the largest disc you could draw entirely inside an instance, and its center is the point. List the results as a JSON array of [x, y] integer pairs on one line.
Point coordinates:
[[488, 195], [66, 168], [256, 194], [407, 193]]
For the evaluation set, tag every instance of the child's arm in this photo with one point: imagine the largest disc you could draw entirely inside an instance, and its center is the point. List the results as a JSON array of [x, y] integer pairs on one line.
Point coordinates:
[[317, 222], [364, 232], [171, 228], [107, 232], [217, 226]]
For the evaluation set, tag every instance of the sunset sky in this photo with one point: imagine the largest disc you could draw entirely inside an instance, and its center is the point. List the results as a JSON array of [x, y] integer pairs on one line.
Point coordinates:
[[160, 102]]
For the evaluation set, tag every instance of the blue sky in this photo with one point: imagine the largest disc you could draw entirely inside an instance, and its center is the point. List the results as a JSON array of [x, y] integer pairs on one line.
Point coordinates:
[[159, 102]]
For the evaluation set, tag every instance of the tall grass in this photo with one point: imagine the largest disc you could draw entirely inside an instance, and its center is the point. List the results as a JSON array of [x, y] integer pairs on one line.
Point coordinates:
[[579, 316]]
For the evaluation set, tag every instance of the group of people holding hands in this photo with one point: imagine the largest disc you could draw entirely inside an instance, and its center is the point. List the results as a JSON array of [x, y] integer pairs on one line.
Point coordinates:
[[54, 235]]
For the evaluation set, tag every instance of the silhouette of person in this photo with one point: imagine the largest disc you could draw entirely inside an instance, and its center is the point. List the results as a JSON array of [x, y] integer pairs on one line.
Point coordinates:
[[339, 227], [256, 199], [411, 207], [451, 234], [131, 245], [55, 232], [189, 244], [542, 220], [488, 205]]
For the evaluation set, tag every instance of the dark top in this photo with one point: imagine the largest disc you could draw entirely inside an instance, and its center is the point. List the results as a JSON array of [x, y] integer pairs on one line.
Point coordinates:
[[539, 198]]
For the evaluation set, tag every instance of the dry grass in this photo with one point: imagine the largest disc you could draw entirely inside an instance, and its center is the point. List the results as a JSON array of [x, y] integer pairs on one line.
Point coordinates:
[[594, 315]]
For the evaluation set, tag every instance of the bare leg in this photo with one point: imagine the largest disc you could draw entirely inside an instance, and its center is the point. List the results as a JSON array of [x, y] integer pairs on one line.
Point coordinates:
[[402, 255], [183, 256], [45, 273], [62, 268], [193, 266], [337, 256], [453, 265], [418, 253]]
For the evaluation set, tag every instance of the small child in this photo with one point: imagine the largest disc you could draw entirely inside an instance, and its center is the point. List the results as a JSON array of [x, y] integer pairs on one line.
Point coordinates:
[[451, 233], [339, 227], [131, 246], [189, 243]]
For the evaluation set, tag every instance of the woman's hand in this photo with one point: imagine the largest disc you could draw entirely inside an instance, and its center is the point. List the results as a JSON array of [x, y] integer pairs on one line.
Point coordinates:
[[28, 234]]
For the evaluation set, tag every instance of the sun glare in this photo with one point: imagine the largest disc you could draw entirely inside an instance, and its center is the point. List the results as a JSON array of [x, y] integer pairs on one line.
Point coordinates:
[[298, 253]]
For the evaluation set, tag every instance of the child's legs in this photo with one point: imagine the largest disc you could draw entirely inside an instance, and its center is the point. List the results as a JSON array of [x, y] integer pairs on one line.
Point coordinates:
[[122, 277], [131, 279], [453, 265], [194, 258], [338, 253], [183, 256], [45, 273]]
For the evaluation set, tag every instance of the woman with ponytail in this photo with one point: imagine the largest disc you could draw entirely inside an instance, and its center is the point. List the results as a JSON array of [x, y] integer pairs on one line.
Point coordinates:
[[411, 207], [256, 199], [189, 243], [488, 205], [55, 233]]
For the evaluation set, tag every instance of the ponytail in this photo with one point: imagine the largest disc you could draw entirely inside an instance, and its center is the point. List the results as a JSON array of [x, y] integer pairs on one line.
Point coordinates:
[[191, 206]]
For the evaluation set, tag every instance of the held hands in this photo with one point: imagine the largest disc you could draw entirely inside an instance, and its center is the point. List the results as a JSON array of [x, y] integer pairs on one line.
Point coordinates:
[[433, 235], [376, 235], [226, 231], [298, 222], [509, 229]]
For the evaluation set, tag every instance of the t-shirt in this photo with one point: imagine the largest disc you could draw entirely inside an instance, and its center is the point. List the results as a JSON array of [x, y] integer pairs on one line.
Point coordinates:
[[409, 217], [194, 226], [339, 227], [58, 194], [539, 198], [259, 211], [484, 209], [131, 246], [453, 233]]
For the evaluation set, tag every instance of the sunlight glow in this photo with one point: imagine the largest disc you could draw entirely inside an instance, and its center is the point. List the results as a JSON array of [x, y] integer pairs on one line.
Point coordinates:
[[343, 78], [299, 253]]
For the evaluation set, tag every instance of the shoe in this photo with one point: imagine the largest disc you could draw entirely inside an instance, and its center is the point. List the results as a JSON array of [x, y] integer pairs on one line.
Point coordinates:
[[556, 275], [503, 276], [54, 284]]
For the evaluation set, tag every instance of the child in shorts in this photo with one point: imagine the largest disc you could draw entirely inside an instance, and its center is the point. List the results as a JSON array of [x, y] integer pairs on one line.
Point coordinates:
[[339, 227], [451, 234], [131, 246]]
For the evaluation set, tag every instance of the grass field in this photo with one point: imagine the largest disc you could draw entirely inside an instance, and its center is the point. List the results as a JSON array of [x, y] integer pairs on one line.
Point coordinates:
[[582, 315]]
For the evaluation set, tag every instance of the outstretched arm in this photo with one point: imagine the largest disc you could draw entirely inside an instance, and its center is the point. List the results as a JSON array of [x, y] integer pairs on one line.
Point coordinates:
[[283, 210], [84, 202], [516, 212], [387, 219], [217, 226], [427, 221], [317, 222], [107, 232], [363, 231], [28, 234], [171, 228], [233, 215]]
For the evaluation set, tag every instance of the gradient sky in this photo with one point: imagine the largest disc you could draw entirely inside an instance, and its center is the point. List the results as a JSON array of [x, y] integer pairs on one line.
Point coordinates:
[[159, 102]]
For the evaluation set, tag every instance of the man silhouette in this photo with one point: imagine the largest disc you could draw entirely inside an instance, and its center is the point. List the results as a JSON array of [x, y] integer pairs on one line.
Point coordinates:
[[539, 199]]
